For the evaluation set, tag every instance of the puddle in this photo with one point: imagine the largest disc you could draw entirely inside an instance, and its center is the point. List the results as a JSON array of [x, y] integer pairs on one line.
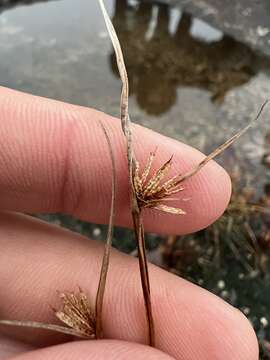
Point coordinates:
[[188, 80], [180, 68]]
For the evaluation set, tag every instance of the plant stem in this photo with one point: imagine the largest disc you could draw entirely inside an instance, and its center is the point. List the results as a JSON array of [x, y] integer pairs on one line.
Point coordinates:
[[139, 234], [107, 248], [39, 325]]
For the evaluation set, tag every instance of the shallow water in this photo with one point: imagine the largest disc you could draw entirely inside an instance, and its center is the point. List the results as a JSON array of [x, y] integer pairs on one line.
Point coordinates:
[[188, 80]]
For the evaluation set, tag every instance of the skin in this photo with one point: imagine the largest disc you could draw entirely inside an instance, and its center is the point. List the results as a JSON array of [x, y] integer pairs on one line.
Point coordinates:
[[54, 158]]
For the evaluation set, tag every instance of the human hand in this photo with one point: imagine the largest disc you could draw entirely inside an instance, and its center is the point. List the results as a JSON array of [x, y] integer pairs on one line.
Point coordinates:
[[54, 158]]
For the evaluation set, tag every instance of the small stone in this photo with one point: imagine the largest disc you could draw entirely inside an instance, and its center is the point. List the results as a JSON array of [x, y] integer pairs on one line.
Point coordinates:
[[197, 248], [224, 294], [262, 31], [264, 322], [246, 310], [221, 284], [247, 11], [96, 232], [192, 242], [133, 3]]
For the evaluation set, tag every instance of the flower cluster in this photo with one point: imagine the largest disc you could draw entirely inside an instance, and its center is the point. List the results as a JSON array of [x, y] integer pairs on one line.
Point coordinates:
[[152, 192]]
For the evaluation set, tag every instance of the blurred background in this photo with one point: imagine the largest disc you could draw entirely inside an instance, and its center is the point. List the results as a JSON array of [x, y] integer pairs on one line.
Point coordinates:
[[198, 71]]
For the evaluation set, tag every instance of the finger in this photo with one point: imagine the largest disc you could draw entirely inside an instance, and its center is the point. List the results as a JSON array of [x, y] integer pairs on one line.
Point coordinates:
[[10, 347], [96, 350], [54, 157], [38, 259]]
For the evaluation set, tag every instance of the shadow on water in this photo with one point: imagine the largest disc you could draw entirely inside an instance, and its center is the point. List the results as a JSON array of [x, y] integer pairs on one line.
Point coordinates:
[[160, 60]]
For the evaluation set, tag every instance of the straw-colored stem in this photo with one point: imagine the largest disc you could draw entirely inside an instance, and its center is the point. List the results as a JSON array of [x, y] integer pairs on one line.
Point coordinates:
[[44, 326], [107, 248], [139, 234]]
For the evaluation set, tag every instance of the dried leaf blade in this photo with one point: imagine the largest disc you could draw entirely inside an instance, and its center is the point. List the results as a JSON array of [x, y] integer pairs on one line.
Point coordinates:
[[108, 244]]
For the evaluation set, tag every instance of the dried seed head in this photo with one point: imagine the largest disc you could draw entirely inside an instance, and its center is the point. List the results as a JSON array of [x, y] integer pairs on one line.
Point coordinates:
[[77, 314], [152, 192]]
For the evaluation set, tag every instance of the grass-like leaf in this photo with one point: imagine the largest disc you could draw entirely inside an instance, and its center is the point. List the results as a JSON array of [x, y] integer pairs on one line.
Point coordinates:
[[107, 248]]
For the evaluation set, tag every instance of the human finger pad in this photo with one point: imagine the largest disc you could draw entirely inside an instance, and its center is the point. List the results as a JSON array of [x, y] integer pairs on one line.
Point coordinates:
[[96, 350], [191, 323], [54, 157]]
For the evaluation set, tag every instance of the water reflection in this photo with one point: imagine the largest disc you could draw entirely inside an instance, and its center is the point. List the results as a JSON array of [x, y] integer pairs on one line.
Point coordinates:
[[159, 60], [8, 4]]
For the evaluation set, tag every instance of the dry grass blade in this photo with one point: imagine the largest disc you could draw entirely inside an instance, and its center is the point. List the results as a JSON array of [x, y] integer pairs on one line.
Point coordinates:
[[106, 255], [124, 114], [121, 67], [43, 326], [135, 209], [221, 148]]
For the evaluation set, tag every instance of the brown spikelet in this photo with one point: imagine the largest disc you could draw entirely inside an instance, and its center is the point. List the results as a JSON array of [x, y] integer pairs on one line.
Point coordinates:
[[153, 192], [76, 313]]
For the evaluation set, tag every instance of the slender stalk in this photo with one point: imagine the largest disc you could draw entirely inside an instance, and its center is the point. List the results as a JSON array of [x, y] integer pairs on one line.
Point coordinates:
[[222, 147], [44, 326], [139, 235], [126, 128], [107, 248]]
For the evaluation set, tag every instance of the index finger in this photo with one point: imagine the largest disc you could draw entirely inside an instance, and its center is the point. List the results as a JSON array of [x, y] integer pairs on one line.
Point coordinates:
[[54, 158]]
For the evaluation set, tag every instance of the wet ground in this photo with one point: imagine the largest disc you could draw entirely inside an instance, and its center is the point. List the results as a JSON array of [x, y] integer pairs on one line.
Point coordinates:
[[189, 81]]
